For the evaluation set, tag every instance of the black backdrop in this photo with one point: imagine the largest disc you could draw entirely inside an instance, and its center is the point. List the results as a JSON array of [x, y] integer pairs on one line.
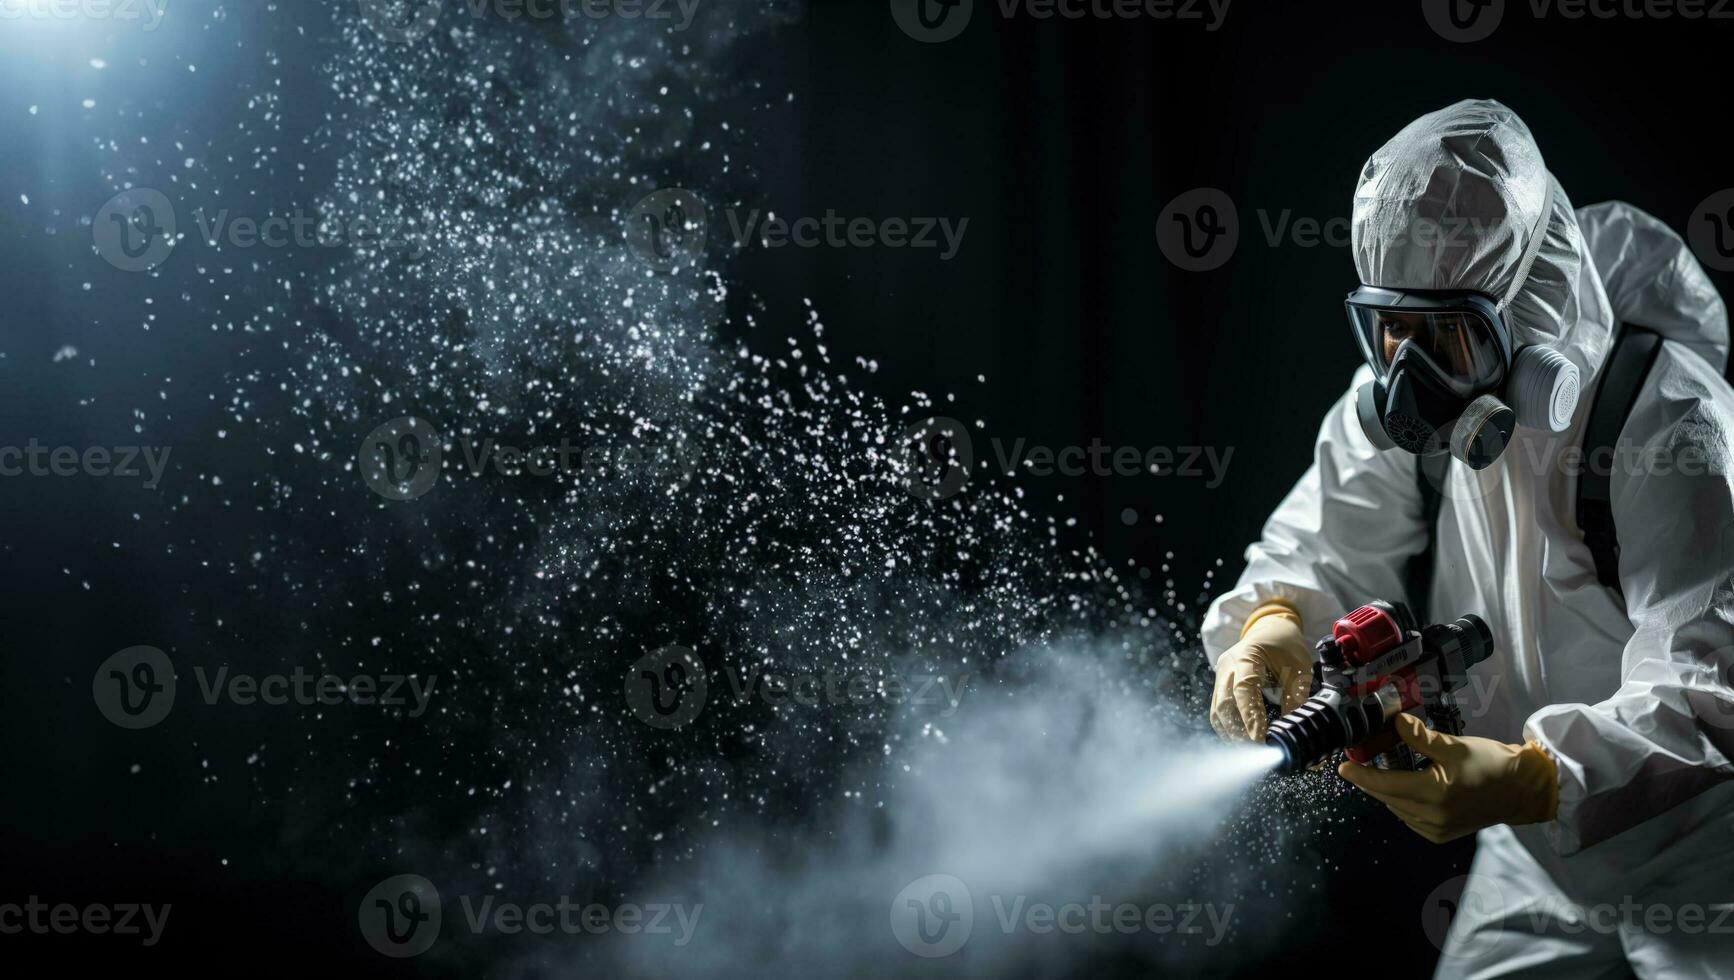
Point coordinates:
[[1060, 141]]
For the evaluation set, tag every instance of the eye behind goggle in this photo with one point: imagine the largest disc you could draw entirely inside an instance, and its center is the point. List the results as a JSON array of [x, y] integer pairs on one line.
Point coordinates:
[[1459, 335]]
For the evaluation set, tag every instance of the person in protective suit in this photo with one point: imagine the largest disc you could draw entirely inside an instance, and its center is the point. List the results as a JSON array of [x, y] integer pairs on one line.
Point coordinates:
[[1597, 762]]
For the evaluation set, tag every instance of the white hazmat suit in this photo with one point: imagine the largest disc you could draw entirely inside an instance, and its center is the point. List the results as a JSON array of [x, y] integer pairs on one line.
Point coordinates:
[[1632, 695]]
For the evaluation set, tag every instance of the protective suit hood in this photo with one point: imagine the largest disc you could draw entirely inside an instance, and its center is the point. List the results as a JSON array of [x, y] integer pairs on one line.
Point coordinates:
[[1452, 201]]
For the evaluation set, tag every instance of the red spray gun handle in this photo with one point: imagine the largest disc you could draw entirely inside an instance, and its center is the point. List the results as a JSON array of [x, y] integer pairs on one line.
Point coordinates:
[[1374, 665]]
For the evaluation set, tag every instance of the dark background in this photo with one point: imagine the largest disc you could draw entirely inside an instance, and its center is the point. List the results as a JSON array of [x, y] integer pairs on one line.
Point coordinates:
[[1060, 141]]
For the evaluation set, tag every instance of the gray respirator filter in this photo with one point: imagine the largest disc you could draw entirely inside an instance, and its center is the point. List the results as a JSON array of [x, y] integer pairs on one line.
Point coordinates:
[[1543, 388]]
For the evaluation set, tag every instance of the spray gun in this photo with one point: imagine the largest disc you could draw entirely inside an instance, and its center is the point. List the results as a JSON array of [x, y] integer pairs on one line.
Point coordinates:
[[1374, 665]]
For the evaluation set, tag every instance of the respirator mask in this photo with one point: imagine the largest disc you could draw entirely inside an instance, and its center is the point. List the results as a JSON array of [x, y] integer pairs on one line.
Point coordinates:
[[1446, 377]]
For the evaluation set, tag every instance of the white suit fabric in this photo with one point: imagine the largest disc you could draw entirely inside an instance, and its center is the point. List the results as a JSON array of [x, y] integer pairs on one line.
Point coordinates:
[[1633, 694]]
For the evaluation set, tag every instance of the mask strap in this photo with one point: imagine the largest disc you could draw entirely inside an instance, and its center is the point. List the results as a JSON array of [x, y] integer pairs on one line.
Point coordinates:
[[1536, 237]]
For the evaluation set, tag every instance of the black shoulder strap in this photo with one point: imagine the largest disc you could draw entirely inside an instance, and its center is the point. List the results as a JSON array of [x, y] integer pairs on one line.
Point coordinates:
[[1622, 379], [1430, 481]]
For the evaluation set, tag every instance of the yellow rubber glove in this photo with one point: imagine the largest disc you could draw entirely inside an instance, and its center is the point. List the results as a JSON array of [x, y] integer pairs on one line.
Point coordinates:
[[1271, 652], [1472, 783]]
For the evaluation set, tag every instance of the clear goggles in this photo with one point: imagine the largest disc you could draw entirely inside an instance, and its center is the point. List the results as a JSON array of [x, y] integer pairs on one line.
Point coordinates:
[[1460, 334]]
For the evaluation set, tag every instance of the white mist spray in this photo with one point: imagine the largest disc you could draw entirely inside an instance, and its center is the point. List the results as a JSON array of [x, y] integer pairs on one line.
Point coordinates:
[[1069, 792]]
